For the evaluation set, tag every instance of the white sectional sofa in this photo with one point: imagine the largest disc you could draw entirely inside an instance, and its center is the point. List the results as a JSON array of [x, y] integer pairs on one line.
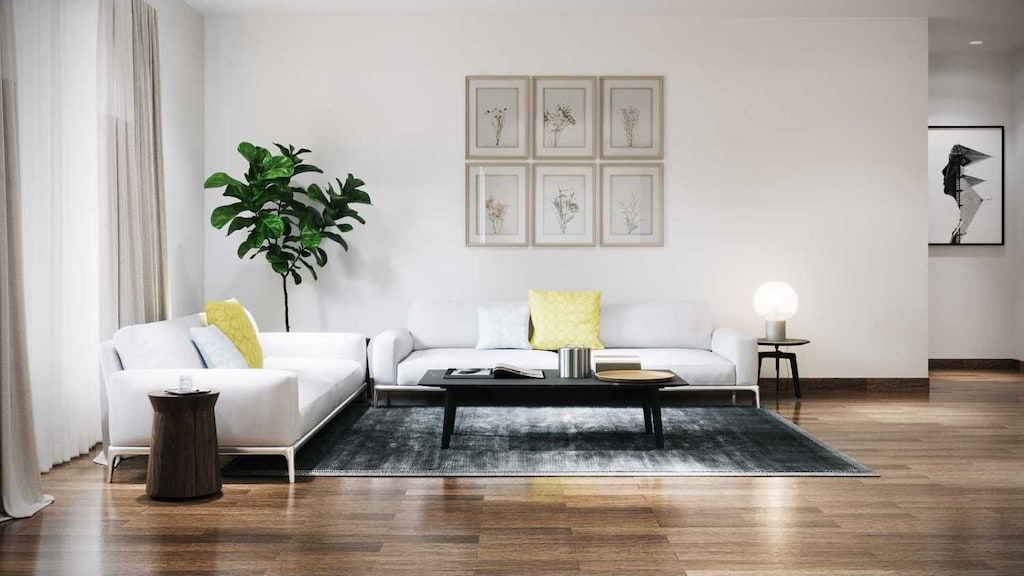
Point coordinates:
[[307, 379], [677, 336]]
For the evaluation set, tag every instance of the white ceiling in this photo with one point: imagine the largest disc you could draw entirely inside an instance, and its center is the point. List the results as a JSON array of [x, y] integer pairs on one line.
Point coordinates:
[[952, 23]]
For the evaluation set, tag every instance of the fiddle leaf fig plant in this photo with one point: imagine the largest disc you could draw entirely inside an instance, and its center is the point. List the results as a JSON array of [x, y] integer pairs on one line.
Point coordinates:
[[285, 222]]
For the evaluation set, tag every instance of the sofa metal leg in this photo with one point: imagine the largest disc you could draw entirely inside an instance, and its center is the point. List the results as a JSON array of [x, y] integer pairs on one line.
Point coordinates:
[[375, 395], [733, 398], [112, 460], [289, 455], [757, 397]]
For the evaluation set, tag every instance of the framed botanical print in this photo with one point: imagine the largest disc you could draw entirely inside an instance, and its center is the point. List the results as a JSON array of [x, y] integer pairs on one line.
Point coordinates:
[[966, 194], [632, 126], [632, 210], [497, 117], [564, 205], [564, 117], [497, 204]]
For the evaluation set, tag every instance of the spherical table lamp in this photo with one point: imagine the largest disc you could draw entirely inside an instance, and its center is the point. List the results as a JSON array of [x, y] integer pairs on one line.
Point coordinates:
[[776, 302]]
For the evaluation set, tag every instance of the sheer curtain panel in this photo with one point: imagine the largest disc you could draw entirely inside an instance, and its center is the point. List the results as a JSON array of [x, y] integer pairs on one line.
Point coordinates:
[[21, 492], [56, 56]]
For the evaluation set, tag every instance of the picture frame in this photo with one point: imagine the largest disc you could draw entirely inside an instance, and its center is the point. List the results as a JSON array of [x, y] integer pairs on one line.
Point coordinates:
[[632, 205], [565, 205], [497, 117], [632, 117], [966, 186], [497, 204], [565, 117]]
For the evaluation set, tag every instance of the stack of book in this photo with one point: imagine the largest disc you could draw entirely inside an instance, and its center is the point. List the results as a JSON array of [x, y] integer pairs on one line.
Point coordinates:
[[607, 362]]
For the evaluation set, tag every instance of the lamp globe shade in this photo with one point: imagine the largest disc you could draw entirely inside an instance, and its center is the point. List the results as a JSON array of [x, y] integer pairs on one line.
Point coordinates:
[[775, 301]]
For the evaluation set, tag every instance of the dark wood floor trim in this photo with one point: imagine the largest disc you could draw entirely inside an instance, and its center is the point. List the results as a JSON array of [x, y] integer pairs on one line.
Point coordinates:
[[816, 385], [974, 364]]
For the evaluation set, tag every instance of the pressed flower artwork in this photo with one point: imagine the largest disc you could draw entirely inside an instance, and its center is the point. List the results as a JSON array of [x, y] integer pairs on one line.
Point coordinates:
[[564, 207], [631, 124], [496, 204], [497, 116], [631, 207], [564, 117]]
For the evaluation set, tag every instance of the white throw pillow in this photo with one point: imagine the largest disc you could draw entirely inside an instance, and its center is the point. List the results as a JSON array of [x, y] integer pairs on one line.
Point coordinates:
[[216, 349], [504, 326]]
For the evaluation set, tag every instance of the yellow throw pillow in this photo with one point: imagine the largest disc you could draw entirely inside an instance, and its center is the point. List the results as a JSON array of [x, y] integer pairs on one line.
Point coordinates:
[[565, 319], [230, 317]]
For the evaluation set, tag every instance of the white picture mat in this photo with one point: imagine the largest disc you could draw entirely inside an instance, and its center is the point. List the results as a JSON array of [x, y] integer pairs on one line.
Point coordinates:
[[507, 184], [646, 93], [620, 184], [581, 229], [484, 93], [578, 141], [943, 213]]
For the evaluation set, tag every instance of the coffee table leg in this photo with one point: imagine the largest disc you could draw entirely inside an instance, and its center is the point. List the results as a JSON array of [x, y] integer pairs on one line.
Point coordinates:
[[659, 437], [449, 419], [648, 427]]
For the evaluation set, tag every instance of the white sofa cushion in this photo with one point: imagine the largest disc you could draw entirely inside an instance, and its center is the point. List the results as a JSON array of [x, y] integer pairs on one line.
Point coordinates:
[[158, 345], [323, 384], [443, 324], [411, 370], [504, 326], [679, 324], [699, 367]]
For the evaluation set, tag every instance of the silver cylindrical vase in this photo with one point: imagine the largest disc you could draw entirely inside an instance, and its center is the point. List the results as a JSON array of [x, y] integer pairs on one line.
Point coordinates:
[[775, 330], [574, 362]]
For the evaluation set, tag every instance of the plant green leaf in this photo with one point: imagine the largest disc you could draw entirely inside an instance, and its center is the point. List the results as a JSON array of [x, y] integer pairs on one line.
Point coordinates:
[[239, 223], [272, 225], [277, 167], [248, 151], [296, 277], [316, 193], [303, 168], [221, 179], [310, 237], [224, 214]]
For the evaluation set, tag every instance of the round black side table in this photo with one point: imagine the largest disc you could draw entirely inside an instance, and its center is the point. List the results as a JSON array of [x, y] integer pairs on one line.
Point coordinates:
[[779, 355], [183, 459]]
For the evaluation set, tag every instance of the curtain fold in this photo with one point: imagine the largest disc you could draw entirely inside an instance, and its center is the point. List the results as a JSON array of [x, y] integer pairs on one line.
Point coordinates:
[[131, 165], [57, 103], [21, 491]]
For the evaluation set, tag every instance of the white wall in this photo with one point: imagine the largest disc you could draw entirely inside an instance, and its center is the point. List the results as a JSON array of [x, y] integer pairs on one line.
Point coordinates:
[[1015, 177], [795, 150], [181, 31], [972, 289]]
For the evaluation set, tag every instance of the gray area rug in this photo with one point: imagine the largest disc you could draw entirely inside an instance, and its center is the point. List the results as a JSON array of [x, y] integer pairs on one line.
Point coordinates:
[[699, 441]]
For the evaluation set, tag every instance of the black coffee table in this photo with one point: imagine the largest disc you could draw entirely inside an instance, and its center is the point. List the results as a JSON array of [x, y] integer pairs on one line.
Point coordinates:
[[549, 391]]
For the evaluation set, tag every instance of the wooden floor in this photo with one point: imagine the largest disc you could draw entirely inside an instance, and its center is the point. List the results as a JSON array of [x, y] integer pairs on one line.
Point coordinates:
[[950, 501]]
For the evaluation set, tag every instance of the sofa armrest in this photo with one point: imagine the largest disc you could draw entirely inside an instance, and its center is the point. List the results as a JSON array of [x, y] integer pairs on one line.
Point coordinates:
[[740, 349], [255, 407], [387, 349]]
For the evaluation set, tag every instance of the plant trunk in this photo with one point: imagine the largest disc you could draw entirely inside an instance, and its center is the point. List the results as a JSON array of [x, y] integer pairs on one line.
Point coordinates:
[[284, 286]]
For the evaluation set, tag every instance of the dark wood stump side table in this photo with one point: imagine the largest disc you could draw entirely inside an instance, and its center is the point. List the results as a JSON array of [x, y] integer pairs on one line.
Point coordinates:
[[779, 355], [183, 459]]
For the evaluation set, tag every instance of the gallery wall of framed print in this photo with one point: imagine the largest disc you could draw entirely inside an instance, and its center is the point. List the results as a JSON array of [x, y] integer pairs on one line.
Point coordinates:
[[632, 205], [497, 204], [965, 185], [564, 205], [497, 117], [632, 127], [564, 117]]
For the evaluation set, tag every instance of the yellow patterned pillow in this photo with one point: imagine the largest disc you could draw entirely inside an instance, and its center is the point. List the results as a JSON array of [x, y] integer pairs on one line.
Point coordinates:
[[232, 320], [565, 319]]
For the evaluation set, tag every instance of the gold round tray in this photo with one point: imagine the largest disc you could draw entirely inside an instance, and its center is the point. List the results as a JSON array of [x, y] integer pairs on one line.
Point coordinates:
[[634, 376]]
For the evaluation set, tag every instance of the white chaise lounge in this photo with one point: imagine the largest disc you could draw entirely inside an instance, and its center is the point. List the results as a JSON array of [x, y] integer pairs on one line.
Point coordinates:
[[307, 379]]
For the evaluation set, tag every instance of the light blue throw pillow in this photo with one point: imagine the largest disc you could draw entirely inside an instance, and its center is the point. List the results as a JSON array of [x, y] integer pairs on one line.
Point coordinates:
[[504, 326], [215, 348]]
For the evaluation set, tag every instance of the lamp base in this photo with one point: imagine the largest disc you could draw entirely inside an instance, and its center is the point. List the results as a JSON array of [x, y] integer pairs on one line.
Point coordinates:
[[775, 330]]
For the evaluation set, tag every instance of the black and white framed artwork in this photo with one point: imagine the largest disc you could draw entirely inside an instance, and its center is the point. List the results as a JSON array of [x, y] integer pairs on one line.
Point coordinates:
[[965, 185]]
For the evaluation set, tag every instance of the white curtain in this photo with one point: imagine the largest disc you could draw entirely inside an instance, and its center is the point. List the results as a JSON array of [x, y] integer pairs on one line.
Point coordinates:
[[56, 57], [21, 492], [133, 247]]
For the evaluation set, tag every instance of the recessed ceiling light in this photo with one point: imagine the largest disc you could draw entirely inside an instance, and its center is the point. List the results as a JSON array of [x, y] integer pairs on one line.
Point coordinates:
[[976, 42]]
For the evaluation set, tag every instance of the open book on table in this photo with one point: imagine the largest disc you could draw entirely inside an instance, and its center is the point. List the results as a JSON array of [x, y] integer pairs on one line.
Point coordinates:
[[499, 371]]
